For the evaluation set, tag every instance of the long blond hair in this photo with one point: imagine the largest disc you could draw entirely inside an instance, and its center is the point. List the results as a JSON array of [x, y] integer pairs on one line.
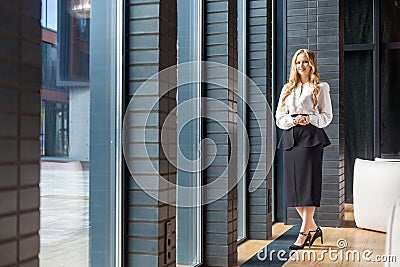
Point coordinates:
[[294, 78]]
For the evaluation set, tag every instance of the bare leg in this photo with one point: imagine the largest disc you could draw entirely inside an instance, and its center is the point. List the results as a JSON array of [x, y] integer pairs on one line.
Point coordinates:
[[307, 224], [313, 225], [300, 211]]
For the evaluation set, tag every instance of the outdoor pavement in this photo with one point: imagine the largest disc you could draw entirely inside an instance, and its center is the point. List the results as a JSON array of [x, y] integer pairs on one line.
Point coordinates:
[[64, 218]]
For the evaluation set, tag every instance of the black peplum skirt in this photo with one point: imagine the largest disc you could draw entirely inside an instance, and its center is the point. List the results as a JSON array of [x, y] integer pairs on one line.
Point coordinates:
[[302, 159]]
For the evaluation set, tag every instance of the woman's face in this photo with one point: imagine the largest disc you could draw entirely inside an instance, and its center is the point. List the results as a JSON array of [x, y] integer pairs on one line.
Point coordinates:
[[302, 65]]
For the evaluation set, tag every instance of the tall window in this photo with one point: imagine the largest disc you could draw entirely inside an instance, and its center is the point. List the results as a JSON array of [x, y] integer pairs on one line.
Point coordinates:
[[372, 43], [389, 80], [241, 186], [81, 114], [359, 85], [189, 233]]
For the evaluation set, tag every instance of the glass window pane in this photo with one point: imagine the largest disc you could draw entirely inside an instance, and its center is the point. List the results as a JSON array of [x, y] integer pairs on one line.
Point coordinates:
[[73, 38], [390, 102], [188, 228], [55, 103], [49, 67], [358, 26], [390, 22], [52, 15], [79, 137], [241, 186], [43, 19], [359, 110]]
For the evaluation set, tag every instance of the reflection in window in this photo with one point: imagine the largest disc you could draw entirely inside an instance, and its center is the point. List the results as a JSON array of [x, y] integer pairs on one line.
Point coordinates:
[[241, 186], [49, 14], [55, 107], [189, 226], [64, 165], [359, 133], [74, 47], [79, 137], [358, 25], [55, 136], [390, 22], [390, 101]]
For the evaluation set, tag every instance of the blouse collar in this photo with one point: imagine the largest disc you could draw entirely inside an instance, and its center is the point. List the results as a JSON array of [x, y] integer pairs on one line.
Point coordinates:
[[306, 83]]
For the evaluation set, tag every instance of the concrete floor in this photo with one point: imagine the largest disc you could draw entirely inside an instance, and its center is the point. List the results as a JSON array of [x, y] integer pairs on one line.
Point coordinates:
[[64, 218]]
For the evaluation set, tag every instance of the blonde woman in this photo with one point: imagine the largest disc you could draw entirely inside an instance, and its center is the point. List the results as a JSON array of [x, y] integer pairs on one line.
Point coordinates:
[[304, 109]]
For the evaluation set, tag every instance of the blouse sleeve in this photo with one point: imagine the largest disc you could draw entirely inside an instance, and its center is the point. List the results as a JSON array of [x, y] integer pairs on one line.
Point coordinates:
[[282, 117], [325, 115]]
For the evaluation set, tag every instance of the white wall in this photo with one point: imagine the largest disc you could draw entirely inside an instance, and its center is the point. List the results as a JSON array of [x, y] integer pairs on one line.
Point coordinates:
[[79, 117]]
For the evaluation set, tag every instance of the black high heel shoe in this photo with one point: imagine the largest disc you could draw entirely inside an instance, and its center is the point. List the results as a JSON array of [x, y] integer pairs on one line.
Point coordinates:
[[296, 247], [318, 233]]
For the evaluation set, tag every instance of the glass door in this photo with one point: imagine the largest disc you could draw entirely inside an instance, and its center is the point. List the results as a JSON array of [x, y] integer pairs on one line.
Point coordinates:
[[359, 38], [390, 78], [372, 90]]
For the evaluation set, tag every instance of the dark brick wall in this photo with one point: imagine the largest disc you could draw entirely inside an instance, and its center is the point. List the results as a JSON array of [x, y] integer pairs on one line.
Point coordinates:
[[259, 70], [220, 220], [316, 25], [20, 81], [151, 47]]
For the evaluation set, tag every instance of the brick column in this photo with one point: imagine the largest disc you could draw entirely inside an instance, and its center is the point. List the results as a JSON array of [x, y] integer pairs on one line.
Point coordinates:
[[259, 69], [151, 47], [20, 82], [220, 220], [316, 25]]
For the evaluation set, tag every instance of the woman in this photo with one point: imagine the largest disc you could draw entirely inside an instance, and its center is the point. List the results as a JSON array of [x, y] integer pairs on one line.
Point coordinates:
[[303, 111]]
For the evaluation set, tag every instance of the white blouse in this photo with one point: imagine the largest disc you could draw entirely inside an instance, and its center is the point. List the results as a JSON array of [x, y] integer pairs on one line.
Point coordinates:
[[301, 103]]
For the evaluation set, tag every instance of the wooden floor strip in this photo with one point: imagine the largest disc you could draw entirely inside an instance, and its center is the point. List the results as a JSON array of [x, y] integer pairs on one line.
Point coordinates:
[[355, 241]]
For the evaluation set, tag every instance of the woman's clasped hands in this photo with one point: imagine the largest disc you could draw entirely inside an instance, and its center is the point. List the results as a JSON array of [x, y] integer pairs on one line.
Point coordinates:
[[301, 120]]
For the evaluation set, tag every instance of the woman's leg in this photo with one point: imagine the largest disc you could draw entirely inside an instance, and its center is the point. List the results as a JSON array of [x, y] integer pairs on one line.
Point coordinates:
[[307, 223], [310, 210], [300, 211]]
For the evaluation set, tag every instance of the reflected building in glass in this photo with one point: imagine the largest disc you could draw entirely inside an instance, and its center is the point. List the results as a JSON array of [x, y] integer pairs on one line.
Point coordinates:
[[65, 92]]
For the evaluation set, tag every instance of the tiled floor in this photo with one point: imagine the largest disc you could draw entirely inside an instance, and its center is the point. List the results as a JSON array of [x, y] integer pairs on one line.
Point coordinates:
[[64, 219]]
